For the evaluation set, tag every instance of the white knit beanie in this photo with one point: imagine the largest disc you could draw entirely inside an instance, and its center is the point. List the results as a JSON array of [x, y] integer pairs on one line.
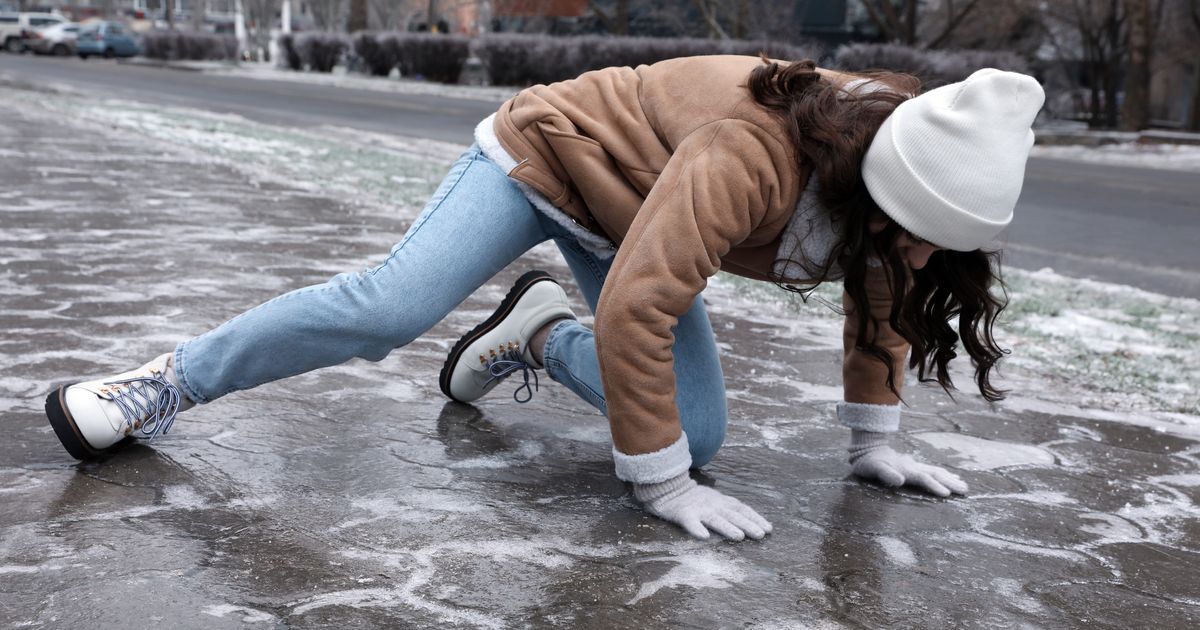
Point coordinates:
[[948, 165]]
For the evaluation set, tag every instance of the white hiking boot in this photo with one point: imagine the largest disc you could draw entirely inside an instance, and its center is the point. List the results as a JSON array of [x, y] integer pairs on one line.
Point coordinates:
[[90, 418], [500, 345]]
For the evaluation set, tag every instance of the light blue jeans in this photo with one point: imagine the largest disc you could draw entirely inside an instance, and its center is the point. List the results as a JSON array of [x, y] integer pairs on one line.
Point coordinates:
[[476, 224]]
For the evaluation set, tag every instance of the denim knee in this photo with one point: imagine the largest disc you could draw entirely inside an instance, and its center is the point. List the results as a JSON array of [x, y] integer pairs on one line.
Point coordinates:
[[704, 445]]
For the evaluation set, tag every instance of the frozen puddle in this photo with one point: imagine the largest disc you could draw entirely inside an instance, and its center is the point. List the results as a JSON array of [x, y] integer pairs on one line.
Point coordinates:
[[972, 453]]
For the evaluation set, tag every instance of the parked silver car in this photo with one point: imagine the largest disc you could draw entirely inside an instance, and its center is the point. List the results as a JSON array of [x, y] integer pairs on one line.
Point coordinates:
[[58, 40], [14, 27]]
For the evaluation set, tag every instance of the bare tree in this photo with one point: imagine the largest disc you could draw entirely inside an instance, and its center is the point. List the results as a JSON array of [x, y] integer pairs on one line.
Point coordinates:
[[896, 24], [708, 12], [1095, 32], [1193, 122], [394, 14], [920, 23], [615, 21], [357, 21], [327, 13], [953, 19], [1014, 25], [260, 17], [729, 19], [1135, 111], [199, 13]]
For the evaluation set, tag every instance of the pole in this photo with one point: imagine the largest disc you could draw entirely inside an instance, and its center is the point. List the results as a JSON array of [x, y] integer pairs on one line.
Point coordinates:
[[239, 27]]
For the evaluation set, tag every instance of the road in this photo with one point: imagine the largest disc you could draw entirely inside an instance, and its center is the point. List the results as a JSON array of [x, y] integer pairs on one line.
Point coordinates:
[[1129, 226]]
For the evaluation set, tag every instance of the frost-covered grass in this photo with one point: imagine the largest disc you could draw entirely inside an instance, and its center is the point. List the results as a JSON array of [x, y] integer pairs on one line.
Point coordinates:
[[1078, 342], [1075, 342], [340, 78], [1116, 347], [359, 164]]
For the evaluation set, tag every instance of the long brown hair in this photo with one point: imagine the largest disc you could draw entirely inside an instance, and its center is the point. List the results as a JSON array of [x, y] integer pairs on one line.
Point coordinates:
[[831, 128]]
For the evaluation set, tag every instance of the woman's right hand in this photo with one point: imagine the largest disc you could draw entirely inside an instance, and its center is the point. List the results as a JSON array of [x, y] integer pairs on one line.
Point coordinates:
[[697, 509]]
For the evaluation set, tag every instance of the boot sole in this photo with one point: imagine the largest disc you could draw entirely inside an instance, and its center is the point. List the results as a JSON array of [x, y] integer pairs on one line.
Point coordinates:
[[65, 428], [522, 285]]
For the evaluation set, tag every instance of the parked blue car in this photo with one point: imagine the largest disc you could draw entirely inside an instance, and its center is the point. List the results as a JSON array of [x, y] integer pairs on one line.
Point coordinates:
[[106, 39]]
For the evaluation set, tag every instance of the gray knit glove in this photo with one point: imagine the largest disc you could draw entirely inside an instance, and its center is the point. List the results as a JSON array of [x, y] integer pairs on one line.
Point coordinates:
[[697, 509], [872, 458]]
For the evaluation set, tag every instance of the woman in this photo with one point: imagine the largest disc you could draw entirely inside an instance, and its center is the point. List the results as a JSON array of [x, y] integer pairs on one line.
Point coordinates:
[[650, 180]]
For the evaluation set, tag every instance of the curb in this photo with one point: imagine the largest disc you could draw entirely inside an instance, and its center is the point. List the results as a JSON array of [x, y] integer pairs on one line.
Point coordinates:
[[1102, 138], [185, 66]]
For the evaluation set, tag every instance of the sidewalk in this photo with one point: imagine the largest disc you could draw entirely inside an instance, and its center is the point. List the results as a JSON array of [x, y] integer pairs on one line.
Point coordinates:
[[1089, 138], [357, 496], [338, 78]]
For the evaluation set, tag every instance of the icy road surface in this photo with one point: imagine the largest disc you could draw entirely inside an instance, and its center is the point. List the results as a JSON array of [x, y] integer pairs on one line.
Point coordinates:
[[358, 497]]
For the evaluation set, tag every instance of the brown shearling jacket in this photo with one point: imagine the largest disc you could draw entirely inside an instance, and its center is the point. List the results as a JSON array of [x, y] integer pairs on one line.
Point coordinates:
[[678, 165]]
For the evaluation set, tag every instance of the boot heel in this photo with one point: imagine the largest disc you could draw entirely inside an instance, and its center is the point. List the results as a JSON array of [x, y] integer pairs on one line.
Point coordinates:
[[64, 427]]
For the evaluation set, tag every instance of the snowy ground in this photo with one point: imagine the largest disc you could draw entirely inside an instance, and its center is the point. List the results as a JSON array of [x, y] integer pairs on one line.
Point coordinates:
[[1176, 157], [357, 497], [340, 78]]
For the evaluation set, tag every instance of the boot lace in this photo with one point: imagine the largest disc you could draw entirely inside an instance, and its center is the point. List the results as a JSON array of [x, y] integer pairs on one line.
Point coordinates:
[[504, 361], [150, 403]]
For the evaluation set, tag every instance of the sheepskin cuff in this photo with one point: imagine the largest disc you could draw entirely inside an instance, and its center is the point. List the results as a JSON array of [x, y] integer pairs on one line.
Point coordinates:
[[865, 417], [655, 467]]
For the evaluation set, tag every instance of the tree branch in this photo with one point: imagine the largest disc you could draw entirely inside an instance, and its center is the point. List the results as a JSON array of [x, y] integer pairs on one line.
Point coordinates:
[[605, 18], [878, 20], [910, 10], [710, 17], [952, 22]]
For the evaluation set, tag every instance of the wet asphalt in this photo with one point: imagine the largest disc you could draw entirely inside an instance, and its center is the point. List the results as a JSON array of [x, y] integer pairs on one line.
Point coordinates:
[[357, 497]]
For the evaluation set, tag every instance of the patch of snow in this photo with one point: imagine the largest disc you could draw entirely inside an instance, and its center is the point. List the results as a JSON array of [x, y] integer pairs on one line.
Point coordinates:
[[811, 584], [1175, 157], [1182, 425], [1015, 593], [184, 497], [707, 570], [1181, 480], [974, 453], [1110, 528], [897, 551], [972, 537], [19, 568], [269, 72], [1160, 515], [13, 480], [248, 615], [1038, 497]]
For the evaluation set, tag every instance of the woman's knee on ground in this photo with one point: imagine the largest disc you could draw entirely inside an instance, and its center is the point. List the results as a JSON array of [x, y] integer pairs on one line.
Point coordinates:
[[705, 444]]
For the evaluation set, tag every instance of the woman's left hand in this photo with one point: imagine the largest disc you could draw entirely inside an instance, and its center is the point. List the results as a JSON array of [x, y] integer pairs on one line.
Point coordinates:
[[871, 458]]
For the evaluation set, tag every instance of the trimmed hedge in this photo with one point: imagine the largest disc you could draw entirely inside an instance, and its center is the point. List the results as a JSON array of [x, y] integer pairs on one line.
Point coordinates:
[[933, 67], [519, 59], [318, 52], [428, 55], [291, 57], [181, 45]]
